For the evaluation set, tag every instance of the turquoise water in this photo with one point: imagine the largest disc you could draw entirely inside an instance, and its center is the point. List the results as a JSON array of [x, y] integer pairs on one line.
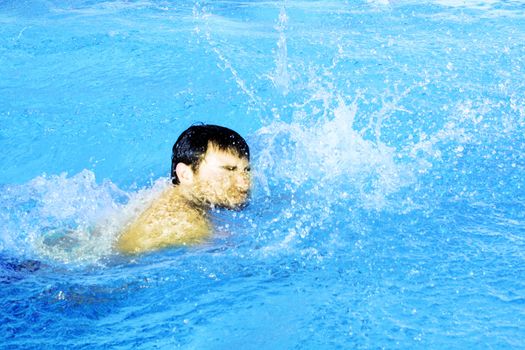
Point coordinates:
[[388, 157]]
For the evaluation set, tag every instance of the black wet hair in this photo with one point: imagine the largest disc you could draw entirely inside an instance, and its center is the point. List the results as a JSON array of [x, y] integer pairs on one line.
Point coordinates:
[[192, 144]]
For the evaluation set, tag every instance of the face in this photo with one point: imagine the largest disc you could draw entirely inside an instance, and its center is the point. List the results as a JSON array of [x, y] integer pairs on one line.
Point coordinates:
[[222, 179]]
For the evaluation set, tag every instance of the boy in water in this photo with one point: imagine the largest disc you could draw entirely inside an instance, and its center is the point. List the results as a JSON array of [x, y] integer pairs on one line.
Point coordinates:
[[209, 168]]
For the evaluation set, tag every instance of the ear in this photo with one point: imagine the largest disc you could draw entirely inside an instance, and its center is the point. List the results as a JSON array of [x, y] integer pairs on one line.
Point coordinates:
[[184, 173]]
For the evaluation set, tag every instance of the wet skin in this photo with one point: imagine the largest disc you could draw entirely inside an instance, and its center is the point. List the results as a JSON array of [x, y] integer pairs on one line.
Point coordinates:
[[180, 215]]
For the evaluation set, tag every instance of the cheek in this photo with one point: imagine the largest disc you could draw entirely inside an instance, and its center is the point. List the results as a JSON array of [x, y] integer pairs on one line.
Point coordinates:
[[227, 187], [228, 184], [219, 184], [220, 187]]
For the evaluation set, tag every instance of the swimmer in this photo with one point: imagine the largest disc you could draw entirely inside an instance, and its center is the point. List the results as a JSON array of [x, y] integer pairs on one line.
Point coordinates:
[[209, 169]]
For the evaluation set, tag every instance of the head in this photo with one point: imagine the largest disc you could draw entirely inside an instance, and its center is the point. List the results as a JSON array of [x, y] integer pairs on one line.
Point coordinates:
[[212, 162]]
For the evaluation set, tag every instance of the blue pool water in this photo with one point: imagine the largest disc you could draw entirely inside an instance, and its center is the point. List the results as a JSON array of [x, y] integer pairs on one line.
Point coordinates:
[[388, 208]]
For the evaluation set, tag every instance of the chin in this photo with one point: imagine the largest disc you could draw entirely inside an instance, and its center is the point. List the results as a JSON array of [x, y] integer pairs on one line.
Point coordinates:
[[240, 206], [234, 205]]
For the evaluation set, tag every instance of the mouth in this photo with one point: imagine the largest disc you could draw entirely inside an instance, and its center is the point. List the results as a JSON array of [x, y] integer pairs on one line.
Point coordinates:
[[241, 201]]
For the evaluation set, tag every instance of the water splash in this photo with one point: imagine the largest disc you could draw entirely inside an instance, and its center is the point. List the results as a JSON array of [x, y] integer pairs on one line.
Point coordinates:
[[332, 152], [202, 18], [338, 164], [68, 219], [281, 78]]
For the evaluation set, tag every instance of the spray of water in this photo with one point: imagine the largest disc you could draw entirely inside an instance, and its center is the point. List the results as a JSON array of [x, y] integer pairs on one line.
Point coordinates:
[[281, 78], [69, 219], [325, 158]]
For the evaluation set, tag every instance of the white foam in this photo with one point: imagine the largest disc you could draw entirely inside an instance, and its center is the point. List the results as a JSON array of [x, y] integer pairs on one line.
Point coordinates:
[[332, 151], [479, 4], [71, 219], [281, 78]]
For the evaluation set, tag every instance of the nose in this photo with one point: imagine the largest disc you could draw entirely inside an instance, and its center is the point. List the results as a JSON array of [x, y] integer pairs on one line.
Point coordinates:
[[244, 182]]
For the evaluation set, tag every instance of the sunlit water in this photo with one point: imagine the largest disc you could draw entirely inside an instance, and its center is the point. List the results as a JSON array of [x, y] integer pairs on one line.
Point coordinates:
[[388, 207]]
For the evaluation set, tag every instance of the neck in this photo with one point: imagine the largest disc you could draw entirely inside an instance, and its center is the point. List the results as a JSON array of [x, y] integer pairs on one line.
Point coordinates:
[[185, 197]]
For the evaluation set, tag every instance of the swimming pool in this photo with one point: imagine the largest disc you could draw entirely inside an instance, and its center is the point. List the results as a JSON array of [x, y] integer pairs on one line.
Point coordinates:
[[388, 157]]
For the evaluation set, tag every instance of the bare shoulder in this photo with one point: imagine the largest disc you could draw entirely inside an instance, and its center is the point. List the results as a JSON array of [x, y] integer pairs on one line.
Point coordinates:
[[168, 221]]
